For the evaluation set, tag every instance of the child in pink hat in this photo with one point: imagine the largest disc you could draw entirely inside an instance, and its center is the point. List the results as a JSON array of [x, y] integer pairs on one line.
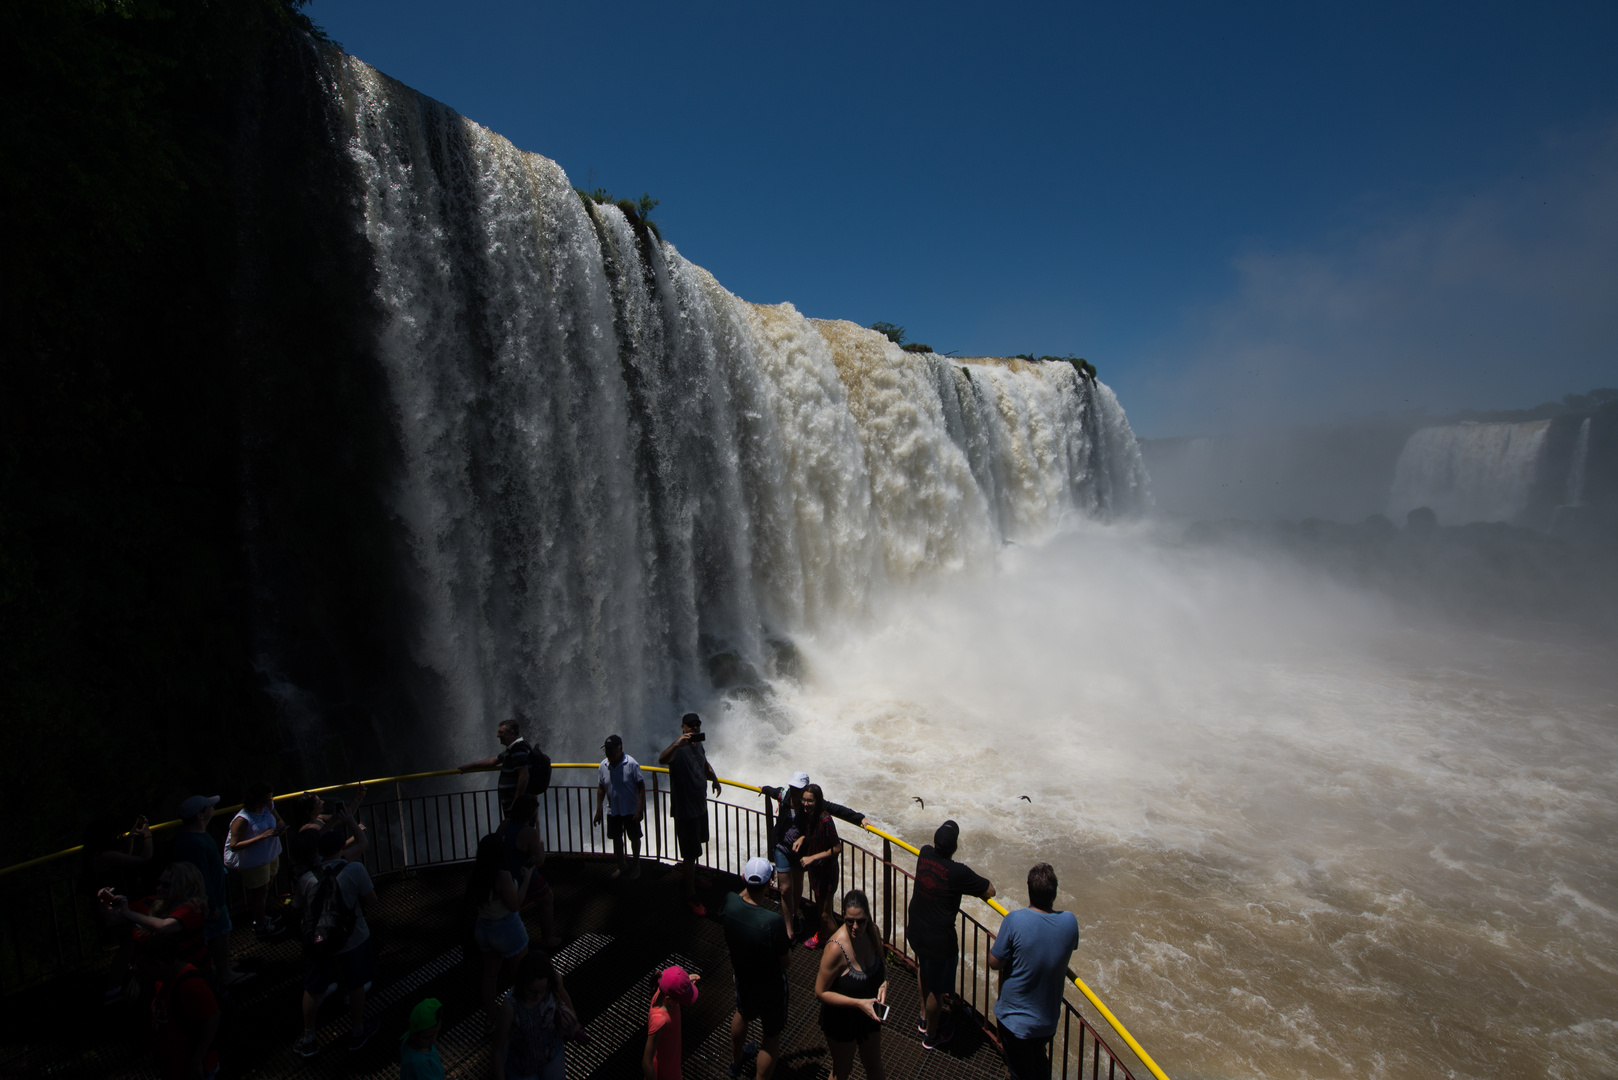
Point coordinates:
[[675, 988]]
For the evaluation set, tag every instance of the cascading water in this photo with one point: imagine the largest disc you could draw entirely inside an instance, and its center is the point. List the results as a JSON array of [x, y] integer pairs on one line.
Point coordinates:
[[1574, 496], [622, 486], [1469, 472]]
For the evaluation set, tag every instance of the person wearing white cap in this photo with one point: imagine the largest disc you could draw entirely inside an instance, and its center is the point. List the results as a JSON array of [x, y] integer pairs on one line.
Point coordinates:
[[789, 827], [759, 951]]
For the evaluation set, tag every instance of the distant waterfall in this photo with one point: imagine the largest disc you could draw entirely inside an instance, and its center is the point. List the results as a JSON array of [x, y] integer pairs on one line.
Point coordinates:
[[621, 485], [1575, 473], [1469, 472]]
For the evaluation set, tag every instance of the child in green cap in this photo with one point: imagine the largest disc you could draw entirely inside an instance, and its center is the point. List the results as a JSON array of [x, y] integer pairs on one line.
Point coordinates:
[[418, 1050]]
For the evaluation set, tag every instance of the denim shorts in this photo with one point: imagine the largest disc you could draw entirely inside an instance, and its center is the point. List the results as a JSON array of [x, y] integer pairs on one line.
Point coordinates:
[[506, 936], [783, 861]]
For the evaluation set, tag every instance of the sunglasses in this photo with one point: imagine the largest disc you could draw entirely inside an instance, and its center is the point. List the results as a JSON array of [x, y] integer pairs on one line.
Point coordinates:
[[851, 921]]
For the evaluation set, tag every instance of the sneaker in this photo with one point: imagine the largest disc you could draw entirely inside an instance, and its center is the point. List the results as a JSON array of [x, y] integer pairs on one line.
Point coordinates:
[[362, 1034], [812, 943], [307, 1045], [634, 870], [739, 1068], [617, 872], [921, 1024], [696, 908]]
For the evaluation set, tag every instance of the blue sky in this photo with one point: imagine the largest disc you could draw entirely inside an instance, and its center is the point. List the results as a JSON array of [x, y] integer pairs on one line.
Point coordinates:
[[1243, 214]]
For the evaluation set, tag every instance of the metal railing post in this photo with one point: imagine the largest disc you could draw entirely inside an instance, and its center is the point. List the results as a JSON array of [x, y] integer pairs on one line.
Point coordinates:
[[887, 891], [404, 845]]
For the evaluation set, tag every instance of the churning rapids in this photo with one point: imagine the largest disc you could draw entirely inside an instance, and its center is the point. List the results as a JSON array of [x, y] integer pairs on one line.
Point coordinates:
[[1303, 838]]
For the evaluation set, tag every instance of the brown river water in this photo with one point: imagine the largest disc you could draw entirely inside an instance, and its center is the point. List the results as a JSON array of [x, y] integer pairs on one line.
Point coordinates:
[[1304, 835]]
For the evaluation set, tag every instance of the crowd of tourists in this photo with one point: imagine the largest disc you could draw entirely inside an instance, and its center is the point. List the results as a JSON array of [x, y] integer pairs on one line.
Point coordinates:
[[172, 950]]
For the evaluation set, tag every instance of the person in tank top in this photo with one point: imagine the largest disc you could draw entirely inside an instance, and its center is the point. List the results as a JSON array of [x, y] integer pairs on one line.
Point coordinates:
[[254, 849], [675, 990], [525, 850], [852, 984]]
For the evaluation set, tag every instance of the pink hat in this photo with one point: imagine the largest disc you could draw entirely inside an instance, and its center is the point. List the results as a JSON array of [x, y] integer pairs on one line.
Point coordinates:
[[675, 983]]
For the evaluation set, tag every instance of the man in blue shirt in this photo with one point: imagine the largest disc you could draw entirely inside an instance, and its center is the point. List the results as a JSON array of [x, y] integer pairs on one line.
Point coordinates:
[[1031, 953], [622, 789]]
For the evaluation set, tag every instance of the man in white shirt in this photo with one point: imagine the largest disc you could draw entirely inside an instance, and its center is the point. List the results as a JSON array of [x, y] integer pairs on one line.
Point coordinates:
[[623, 790]]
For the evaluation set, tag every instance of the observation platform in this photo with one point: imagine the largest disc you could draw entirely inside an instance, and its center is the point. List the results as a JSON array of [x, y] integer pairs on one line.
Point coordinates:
[[618, 936]]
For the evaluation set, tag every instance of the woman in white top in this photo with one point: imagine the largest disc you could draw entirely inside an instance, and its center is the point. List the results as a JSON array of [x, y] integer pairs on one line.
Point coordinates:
[[496, 898], [254, 848]]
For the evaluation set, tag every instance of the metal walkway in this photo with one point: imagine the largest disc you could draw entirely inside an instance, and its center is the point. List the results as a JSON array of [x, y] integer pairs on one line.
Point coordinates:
[[618, 934]]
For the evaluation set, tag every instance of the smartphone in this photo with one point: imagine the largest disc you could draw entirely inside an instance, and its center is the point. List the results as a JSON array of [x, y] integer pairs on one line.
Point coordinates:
[[699, 736], [881, 1012]]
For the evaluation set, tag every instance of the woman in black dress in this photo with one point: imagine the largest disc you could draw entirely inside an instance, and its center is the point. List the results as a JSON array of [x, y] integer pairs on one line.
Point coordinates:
[[853, 990]]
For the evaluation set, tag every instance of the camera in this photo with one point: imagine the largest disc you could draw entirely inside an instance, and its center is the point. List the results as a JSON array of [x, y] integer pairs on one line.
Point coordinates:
[[698, 736], [334, 807]]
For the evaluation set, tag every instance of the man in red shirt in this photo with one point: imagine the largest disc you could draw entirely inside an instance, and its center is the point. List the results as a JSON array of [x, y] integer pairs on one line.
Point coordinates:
[[185, 1013]]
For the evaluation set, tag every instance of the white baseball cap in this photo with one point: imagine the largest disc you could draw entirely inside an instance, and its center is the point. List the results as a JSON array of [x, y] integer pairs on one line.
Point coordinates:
[[758, 870], [799, 780]]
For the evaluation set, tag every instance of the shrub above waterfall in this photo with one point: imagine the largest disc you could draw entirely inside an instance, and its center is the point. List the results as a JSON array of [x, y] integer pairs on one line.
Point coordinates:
[[1085, 369], [638, 211]]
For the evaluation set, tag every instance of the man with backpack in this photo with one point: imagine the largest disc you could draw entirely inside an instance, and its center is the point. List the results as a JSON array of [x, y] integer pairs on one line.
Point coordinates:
[[330, 900], [523, 770]]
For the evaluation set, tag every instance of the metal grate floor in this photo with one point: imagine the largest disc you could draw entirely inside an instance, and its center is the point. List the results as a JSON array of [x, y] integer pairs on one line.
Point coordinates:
[[619, 935]]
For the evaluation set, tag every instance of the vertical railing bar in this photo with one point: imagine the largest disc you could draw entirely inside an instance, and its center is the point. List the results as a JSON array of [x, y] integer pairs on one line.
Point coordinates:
[[398, 794]]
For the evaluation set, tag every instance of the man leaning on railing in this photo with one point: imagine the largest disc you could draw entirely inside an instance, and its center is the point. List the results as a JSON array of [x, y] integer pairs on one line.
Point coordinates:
[[1031, 952], [930, 927]]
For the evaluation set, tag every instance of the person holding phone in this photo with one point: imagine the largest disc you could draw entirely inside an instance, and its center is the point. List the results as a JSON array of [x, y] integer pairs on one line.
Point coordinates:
[[852, 986], [689, 774], [254, 849]]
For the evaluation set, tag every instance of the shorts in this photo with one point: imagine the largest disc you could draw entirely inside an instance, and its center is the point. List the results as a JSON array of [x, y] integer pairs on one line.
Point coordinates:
[[1026, 1059], [765, 1003], [349, 970], [218, 927], [617, 826], [256, 877], [537, 887], [938, 967], [692, 834], [784, 860], [506, 936]]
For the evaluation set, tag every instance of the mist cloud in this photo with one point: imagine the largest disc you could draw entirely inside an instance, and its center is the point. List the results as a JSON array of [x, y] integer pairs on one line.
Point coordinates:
[[1499, 297]]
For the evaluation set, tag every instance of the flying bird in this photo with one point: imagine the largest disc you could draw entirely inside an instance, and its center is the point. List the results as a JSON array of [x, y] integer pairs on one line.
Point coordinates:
[[1025, 798], [917, 798]]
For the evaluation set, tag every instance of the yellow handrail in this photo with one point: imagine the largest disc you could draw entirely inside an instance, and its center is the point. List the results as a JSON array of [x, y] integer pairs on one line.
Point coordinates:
[[1089, 994]]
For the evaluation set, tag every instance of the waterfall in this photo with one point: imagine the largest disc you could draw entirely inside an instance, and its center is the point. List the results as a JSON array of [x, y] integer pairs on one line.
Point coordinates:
[[622, 487], [1468, 472], [1575, 472]]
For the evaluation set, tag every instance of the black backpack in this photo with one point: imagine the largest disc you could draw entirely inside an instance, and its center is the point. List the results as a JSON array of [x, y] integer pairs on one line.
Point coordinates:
[[539, 772], [327, 921]]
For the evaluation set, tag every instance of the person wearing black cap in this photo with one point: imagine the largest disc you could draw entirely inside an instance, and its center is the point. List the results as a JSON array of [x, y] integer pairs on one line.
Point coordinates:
[[930, 929], [689, 773], [623, 789]]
